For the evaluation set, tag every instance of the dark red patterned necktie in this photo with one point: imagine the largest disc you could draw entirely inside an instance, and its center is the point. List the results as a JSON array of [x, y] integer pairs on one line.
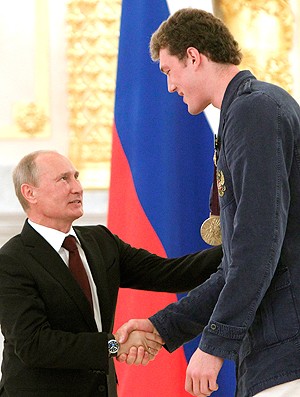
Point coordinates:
[[76, 267]]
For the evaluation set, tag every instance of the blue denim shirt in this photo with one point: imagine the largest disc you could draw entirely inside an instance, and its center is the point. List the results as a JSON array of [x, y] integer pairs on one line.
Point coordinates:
[[249, 310]]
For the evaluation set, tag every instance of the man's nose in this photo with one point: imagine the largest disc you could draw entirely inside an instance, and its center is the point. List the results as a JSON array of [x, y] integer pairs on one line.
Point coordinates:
[[171, 86], [76, 185]]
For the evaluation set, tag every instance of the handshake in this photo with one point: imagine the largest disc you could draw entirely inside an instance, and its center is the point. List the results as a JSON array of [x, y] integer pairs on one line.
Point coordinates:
[[139, 342]]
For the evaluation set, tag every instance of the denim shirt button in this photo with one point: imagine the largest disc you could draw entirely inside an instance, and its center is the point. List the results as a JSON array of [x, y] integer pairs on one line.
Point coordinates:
[[213, 327]]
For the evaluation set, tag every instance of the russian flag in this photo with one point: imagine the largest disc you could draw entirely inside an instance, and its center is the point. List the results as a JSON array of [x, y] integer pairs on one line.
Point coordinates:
[[161, 176]]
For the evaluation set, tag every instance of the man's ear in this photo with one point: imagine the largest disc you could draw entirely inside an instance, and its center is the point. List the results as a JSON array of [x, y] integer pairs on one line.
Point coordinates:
[[28, 192], [193, 56]]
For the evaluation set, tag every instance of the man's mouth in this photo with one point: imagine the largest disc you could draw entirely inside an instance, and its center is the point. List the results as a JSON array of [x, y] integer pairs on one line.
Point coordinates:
[[75, 202]]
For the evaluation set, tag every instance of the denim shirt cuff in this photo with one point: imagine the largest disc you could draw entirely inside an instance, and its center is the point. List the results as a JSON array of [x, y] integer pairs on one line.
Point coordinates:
[[222, 340], [171, 343]]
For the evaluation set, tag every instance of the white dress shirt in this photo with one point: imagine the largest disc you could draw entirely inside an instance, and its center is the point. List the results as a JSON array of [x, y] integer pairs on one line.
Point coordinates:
[[55, 238]]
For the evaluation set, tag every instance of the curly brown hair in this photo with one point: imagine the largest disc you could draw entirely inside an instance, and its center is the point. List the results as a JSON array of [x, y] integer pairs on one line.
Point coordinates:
[[191, 27]]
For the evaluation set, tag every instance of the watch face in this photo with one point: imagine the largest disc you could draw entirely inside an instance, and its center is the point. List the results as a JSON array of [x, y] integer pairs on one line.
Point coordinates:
[[113, 347]]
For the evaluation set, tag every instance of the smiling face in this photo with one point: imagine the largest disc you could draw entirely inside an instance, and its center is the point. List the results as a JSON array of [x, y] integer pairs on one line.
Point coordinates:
[[187, 78], [56, 201]]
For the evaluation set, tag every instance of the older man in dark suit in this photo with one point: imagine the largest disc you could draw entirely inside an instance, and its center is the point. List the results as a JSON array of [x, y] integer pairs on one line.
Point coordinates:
[[57, 342]]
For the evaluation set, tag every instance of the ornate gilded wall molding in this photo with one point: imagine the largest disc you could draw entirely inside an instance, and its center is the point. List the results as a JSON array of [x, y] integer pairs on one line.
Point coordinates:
[[265, 32], [92, 46], [31, 119], [27, 101]]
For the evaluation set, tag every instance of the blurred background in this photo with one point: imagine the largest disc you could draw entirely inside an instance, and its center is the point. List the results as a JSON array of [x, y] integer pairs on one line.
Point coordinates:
[[58, 75]]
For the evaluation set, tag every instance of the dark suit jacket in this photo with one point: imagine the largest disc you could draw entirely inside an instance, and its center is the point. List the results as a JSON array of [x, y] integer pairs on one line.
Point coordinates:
[[52, 347]]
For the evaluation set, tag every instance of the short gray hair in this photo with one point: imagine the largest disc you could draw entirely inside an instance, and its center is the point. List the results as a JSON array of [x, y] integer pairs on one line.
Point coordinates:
[[27, 172]]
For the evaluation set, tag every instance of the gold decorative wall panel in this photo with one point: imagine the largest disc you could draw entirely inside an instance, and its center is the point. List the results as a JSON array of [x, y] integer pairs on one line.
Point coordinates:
[[265, 31], [25, 105], [30, 119], [92, 47]]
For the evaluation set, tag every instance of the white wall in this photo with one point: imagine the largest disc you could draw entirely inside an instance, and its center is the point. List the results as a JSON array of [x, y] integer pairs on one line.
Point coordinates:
[[18, 74]]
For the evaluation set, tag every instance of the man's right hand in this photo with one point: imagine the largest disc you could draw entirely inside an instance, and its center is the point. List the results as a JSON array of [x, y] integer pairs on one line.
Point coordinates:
[[137, 355], [140, 348], [134, 325]]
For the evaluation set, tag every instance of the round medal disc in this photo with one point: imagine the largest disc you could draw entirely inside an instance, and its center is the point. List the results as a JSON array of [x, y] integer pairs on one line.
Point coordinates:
[[211, 230]]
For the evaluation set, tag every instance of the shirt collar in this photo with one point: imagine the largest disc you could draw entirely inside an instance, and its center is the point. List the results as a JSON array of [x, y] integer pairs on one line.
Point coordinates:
[[54, 237], [232, 88]]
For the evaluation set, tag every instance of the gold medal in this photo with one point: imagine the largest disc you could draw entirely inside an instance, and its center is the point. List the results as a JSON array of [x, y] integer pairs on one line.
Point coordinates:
[[211, 230]]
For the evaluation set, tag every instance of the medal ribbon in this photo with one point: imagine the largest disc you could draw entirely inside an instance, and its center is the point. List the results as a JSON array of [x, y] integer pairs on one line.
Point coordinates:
[[214, 200]]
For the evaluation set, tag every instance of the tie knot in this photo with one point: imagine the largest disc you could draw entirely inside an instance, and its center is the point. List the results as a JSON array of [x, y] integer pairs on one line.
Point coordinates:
[[70, 243]]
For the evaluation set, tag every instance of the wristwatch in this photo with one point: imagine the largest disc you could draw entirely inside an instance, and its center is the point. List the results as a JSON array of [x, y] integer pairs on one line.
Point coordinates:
[[113, 347]]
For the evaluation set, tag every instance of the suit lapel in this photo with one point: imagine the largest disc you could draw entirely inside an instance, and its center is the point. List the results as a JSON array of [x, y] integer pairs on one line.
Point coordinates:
[[51, 261]]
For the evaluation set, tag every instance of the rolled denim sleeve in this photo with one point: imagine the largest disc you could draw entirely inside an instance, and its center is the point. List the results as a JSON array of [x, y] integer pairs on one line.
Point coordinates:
[[184, 320]]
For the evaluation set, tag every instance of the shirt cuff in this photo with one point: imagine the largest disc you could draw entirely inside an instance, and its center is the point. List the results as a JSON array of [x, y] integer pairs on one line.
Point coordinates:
[[222, 340]]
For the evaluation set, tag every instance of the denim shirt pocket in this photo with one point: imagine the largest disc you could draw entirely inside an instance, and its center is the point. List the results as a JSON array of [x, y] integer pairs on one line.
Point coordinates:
[[278, 310]]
